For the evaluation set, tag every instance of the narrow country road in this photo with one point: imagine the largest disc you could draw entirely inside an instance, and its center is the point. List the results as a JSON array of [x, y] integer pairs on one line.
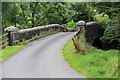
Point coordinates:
[[41, 59]]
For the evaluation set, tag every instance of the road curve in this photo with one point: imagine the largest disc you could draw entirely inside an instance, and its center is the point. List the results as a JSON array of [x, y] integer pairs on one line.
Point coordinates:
[[41, 59]]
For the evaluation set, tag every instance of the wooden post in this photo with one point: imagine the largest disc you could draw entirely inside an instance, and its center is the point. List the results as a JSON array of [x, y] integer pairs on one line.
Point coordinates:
[[3, 47]]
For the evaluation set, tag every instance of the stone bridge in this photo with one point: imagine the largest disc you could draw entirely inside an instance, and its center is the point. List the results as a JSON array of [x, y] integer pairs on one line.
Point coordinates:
[[16, 36], [92, 33]]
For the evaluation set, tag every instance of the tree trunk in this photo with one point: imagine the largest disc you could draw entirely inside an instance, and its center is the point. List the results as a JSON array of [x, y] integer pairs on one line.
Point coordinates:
[[33, 16], [23, 13], [33, 9], [89, 18], [15, 18]]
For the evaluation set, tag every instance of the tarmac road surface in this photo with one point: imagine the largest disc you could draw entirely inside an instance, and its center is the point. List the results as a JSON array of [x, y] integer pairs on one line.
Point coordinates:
[[41, 59]]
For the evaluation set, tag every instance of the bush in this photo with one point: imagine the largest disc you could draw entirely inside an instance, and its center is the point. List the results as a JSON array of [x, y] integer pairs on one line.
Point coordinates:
[[71, 24], [103, 20], [112, 31]]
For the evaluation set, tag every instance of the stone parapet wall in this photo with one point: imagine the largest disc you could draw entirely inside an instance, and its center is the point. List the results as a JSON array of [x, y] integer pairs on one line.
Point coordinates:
[[26, 34]]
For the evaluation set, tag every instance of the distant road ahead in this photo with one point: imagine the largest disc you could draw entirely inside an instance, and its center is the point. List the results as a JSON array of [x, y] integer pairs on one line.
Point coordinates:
[[41, 59]]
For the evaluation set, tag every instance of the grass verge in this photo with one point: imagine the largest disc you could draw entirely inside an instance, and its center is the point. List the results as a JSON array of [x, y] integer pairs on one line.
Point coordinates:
[[5, 54], [95, 64]]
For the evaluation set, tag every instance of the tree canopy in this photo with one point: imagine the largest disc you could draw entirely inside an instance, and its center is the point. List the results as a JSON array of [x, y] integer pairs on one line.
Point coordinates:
[[32, 14]]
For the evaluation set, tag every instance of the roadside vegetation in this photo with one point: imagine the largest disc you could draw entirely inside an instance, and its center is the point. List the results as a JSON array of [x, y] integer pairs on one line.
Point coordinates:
[[95, 63], [71, 24], [11, 50]]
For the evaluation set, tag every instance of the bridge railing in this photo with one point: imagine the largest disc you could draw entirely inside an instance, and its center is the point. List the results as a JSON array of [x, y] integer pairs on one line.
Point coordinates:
[[17, 36]]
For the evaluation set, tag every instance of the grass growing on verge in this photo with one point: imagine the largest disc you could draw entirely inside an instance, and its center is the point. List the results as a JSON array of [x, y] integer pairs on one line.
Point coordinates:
[[5, 54], [95, 64]]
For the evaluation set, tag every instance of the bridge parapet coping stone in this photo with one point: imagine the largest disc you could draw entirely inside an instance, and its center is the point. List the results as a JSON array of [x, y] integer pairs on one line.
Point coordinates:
[[11, 29], [81, 23]]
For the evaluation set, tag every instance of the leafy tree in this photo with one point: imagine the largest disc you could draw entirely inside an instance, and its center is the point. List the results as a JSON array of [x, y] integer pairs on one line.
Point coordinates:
[[9, 13], [25, 15], [109, 8], [112, 31], [81, 11]]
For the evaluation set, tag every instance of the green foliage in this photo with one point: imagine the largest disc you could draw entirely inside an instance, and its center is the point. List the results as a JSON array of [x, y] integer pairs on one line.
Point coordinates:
[[84, 47], [109, 8], [112, 31], [9, 12], [71, 24], [80, 11], [5, 54], [103, 20], [95, 64], [26, 15], [108, 17]]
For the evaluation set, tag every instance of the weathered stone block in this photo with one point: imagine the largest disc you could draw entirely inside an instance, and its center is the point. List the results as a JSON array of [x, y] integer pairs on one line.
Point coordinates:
[[81, 23]]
